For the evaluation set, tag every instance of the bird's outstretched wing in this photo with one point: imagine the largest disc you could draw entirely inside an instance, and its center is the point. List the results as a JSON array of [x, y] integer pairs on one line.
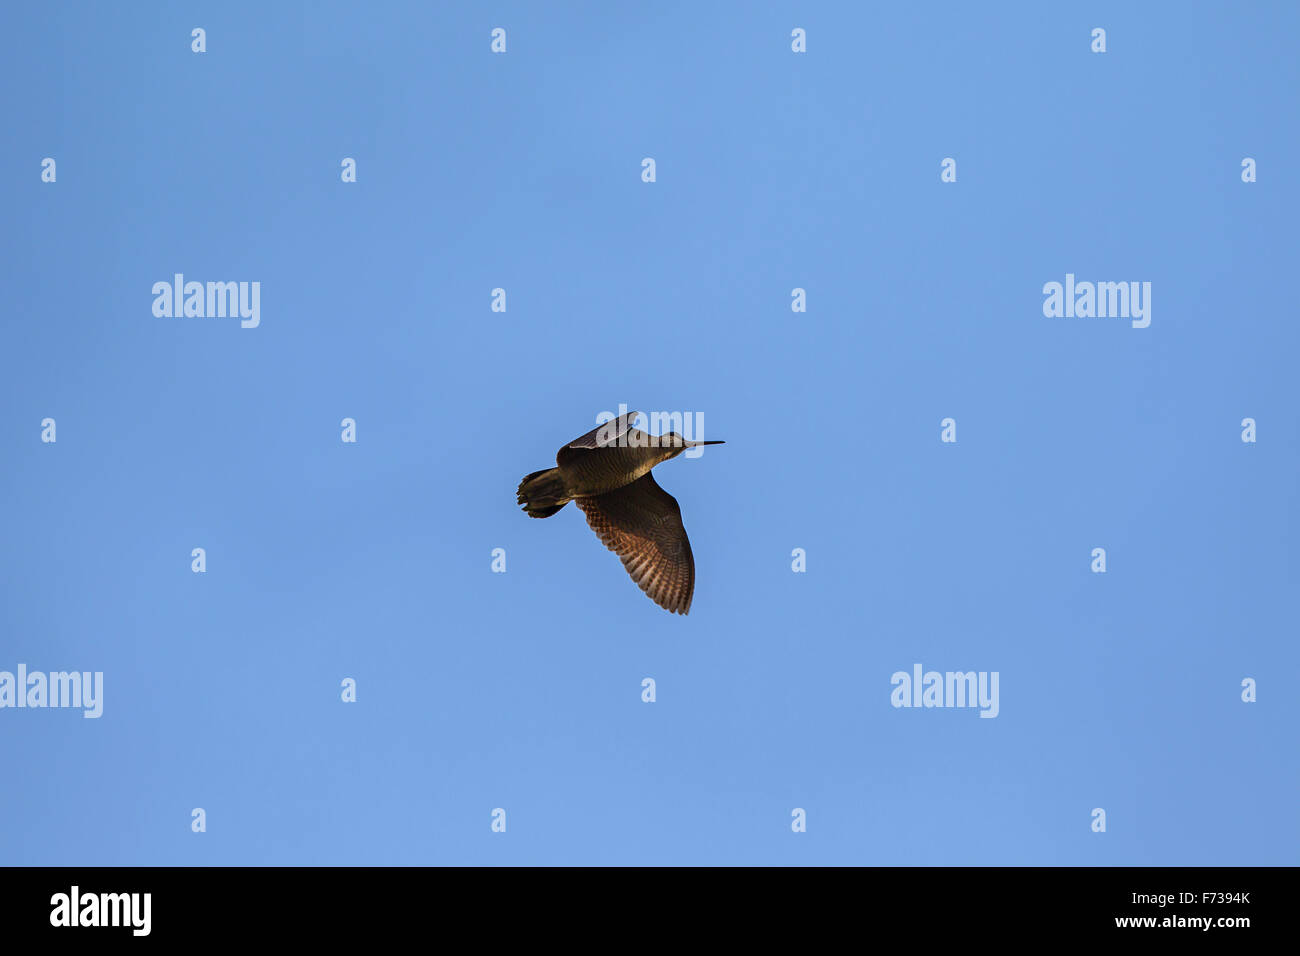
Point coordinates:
[[642, 524], [606, 434]]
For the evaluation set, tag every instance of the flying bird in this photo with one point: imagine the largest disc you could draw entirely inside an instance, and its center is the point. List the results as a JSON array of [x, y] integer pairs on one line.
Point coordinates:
[[606, 473]]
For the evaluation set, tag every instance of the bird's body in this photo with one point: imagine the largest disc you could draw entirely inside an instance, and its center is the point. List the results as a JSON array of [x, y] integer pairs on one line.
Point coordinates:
[[606, 473], [590, 472]]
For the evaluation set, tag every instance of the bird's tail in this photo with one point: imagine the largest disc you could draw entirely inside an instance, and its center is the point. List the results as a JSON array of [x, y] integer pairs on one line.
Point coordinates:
[[542, 493]]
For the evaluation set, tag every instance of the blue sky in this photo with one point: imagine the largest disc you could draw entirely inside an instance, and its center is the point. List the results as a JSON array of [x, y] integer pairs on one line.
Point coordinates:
[[522, 690]]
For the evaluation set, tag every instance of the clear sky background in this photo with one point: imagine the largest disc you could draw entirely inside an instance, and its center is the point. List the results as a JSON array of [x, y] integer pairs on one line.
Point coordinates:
[[522, 690]]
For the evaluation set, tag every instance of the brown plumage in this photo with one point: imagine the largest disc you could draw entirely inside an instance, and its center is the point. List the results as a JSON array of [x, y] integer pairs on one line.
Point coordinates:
[[606, 473]]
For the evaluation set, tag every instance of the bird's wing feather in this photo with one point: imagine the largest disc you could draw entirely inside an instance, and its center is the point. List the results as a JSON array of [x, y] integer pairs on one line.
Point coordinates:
[[642, 524], [605, 434]]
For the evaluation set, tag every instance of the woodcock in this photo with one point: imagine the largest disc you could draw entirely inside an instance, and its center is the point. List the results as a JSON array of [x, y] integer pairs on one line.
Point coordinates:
[[606, 473]]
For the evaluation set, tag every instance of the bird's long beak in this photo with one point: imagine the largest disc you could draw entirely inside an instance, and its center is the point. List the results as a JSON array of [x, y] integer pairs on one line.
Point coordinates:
[[696, 444]]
